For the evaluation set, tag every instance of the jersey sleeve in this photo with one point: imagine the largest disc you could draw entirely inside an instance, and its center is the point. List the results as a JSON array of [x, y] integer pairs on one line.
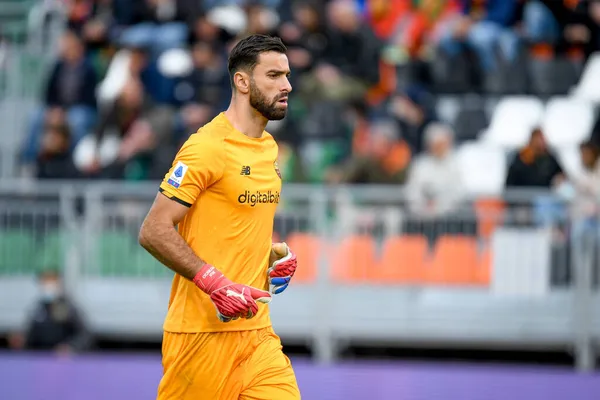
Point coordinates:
[[199, 164]]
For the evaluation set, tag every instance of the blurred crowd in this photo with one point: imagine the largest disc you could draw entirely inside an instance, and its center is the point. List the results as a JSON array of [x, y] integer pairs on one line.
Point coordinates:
[[134, 78]]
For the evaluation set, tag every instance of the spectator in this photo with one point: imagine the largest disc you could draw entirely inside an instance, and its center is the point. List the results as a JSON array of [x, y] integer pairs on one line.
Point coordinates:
[[413, 111], [261, 20], [55, 160], [535, 166], [421, 29], [56, 323], [587, 198], [567, 26], [71, 87], [384, 16], [385, 161], [350, 63], [435, 186], [205, 30], [585, 208], [158, 25], [486, 28], [304, 37], [207, 90], [139, 127]]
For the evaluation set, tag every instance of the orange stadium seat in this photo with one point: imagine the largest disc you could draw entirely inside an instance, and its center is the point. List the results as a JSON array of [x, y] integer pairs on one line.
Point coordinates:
[[454, 261], [484, 268], [307, 249], [403, 260], [490, 212], [353, 258]]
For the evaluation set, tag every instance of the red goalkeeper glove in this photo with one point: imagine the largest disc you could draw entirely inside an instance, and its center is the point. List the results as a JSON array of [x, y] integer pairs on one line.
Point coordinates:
[[283, 266], [232, 300]]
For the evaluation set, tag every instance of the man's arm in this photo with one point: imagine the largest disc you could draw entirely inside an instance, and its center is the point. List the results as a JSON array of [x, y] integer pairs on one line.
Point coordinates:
[[159, 237]]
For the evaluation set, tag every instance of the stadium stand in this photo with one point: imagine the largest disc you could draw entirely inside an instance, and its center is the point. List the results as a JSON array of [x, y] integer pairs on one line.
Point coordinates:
[[103, 103]]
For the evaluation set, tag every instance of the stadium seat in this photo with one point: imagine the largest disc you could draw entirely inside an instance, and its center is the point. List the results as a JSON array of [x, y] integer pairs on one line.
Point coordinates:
[[447, 108], [142, 264], [483, 168], [570, 160], [484, 268], [470, 122], [567, 122], [513, 120], [588, 87], [403, 260], [114, 251], [490, 213], [508, 78], [553, 76], [52, 253], [352, 259], [454, 261], [307, 248], [16, 255]]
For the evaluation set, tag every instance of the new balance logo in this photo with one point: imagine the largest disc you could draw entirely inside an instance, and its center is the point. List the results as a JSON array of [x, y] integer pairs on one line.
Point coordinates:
[[245, 170]]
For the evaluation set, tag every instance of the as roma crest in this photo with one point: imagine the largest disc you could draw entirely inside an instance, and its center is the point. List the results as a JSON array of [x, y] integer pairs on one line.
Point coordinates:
[[276, 166]]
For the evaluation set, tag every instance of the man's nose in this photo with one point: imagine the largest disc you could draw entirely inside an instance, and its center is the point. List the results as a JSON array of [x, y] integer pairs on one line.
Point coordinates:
[[287, 87]]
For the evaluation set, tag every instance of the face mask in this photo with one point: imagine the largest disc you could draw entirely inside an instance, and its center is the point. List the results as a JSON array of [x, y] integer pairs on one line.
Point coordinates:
[[50, 291]]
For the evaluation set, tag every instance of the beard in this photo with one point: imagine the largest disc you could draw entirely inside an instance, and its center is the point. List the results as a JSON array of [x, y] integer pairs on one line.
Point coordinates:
[[268, 109]]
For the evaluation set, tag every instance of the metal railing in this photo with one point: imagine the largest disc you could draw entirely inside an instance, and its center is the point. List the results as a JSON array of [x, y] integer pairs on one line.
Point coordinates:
[[490, 273]]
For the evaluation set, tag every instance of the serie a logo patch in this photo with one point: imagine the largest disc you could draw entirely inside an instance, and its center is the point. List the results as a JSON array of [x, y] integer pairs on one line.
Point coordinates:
[[177, 175]]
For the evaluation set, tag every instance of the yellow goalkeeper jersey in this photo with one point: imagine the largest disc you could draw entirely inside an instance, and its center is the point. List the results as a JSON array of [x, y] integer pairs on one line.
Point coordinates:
[[231, 184]]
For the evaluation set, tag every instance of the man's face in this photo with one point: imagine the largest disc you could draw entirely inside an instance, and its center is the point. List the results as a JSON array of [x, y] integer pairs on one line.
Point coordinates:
[[343, 16], [53, 142], [538, 142], [50, 288], [71, 47], [269, 86], [440, 146]]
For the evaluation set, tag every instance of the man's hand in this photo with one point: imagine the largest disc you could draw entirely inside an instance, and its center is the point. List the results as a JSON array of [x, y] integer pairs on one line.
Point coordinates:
[[232, 300], [282, 267]]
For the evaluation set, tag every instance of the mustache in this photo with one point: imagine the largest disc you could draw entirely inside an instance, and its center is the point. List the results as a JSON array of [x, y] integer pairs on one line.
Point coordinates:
[[281, 96]]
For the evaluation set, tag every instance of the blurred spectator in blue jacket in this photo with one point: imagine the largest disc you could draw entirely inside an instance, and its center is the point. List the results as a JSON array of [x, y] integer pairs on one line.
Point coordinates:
[[71, 87], [157, 24], [486, 28]]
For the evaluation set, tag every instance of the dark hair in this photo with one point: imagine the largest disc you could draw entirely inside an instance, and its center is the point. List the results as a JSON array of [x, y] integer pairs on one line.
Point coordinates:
[[244, 55]]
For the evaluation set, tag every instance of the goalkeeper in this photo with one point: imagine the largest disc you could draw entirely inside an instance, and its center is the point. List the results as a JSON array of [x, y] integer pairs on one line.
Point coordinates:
[[221, 193]]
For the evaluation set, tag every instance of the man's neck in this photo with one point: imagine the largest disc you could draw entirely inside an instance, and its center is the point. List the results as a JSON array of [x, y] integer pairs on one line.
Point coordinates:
[[246, 119]]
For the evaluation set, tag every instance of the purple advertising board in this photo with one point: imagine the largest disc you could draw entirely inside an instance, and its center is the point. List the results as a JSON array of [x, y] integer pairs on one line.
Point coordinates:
[[128, 377]]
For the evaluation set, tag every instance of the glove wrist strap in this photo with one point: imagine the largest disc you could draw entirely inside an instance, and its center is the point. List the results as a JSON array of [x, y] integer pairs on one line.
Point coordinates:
[[207, 278]]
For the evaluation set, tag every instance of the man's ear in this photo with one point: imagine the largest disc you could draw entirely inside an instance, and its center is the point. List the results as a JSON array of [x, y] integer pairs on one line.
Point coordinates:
[[241, 80]]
